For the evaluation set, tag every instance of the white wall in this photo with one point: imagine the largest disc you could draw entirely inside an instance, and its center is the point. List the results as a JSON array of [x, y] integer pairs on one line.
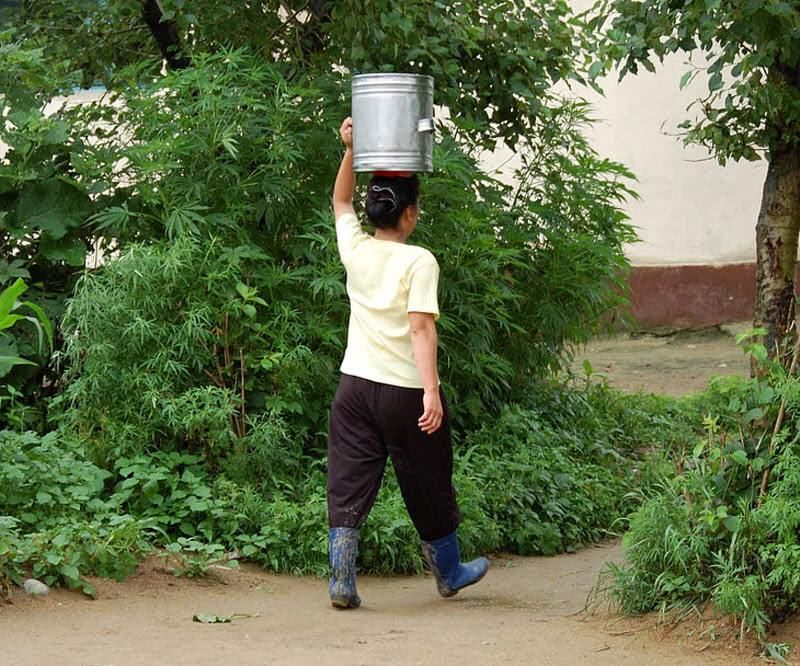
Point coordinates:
[[692, 210]]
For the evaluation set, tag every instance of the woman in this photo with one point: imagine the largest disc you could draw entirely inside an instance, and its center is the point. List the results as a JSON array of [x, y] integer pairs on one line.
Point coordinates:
[[388, 402]]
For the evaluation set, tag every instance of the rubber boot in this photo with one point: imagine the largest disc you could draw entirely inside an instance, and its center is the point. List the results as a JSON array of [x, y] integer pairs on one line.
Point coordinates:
[[444, 558], [343, 542]]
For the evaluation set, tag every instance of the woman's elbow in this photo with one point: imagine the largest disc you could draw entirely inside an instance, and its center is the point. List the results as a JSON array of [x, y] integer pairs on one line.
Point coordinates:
[[421, 324]]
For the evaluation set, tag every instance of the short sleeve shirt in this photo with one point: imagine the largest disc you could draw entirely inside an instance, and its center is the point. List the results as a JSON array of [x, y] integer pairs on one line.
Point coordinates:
[[385, 281]]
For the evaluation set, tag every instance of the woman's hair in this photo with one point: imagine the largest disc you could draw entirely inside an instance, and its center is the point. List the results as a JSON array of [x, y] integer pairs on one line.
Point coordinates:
[[388, 197]]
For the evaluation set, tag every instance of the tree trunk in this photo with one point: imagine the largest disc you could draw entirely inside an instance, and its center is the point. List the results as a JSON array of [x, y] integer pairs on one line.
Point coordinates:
[[776, 247]]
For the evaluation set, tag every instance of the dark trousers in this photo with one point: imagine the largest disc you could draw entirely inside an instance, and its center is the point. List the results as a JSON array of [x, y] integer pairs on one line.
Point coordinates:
[[370, 421]]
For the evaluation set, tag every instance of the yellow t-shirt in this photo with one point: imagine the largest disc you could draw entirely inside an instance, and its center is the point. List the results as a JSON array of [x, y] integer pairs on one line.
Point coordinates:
[[385, 281]]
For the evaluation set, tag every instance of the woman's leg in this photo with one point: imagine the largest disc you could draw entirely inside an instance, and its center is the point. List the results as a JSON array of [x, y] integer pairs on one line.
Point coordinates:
[[423, 462], [356, 454], [356, 460], [424, 466]]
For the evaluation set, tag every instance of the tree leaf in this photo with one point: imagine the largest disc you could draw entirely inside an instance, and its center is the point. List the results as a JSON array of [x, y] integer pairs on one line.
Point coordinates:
[[70, 572], [219, 619], [9, 296], [8, 362], [71, 252], [13, 269], [53, 205], [9, 320], [596, 69], [753, 415], [739, 457], [43, 320], [732, 523]]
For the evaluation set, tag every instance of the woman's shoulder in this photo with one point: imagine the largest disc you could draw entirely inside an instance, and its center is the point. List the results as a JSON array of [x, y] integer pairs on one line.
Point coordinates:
[[420, 259], [421, 254]]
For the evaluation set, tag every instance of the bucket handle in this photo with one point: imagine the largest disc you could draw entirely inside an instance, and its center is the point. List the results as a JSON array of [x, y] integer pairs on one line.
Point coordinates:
[[425, 125]]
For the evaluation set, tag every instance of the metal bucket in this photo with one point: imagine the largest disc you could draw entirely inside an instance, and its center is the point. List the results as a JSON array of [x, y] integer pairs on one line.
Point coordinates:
[[392, 122]]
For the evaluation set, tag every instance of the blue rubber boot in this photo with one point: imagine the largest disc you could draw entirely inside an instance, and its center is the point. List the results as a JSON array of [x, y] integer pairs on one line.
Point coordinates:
[[444, 558], [343, 543]]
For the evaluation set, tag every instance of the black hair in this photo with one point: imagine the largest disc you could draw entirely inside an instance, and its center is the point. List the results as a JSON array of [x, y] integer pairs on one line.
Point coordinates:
[[388, 197]]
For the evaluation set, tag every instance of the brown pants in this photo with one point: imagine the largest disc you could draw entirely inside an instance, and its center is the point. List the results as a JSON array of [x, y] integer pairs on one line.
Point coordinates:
[[371, 421]]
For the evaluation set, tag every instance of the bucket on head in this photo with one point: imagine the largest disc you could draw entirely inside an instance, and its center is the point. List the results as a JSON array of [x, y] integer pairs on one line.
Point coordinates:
[[392, 122]]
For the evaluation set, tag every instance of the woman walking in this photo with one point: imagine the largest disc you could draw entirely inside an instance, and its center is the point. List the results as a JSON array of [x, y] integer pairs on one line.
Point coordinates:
[[389, 403]]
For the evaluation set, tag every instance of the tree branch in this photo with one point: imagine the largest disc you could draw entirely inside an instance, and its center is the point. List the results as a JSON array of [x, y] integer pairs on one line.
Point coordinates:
[[166, 35], [312, 38]]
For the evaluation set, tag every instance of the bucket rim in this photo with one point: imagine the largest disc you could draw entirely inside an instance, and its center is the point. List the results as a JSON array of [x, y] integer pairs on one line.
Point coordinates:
[[383, 75]]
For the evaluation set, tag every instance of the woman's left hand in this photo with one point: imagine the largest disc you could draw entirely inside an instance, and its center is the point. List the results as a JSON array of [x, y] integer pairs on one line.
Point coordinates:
[[432, 414]]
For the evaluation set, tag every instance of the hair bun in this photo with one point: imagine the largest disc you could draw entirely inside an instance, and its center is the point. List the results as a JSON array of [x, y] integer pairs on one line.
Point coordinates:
[[387, 198]]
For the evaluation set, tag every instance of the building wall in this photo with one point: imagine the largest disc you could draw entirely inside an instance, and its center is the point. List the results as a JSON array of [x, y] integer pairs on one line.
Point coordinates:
[[696, 219]]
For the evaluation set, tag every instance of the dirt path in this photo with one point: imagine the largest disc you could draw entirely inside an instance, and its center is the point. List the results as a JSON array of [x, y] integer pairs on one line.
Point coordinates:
[[525, 612], [674, 364]]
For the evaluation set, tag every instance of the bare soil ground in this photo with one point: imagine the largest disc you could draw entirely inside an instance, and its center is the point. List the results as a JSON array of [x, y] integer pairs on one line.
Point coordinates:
[[526, 611], [671, 364]]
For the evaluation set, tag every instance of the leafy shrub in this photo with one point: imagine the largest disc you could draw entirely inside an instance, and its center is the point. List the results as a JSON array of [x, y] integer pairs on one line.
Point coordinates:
[[10, 571], [46, 478], [545, 491], [725, 528], [44, 230], [524, 485], [171, 490], [200, 359], [64, 527], [193, 557], [43, 209], [193, 367], [63, 518], [107, 545], [248, 296], [19, 352], [528, 482]]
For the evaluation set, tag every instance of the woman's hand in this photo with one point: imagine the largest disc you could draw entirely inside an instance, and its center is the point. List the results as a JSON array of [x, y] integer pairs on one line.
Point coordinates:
[[432, 413], [345, 184], [346, 132]]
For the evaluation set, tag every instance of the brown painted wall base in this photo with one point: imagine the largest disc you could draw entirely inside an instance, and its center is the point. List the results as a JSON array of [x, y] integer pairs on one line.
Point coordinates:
[[692, 296]]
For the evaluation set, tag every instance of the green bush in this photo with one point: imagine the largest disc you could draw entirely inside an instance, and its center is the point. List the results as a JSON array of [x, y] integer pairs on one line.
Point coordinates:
[[46, 478], [44, 231], [725, 528], [59, 521], [524, 486], [10, 570], [20, 350], [199, 360], [243, 312], [63, 518], [528, 482], [543, 500]]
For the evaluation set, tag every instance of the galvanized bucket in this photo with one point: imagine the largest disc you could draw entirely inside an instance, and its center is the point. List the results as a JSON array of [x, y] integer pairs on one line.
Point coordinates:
[[392, 122]]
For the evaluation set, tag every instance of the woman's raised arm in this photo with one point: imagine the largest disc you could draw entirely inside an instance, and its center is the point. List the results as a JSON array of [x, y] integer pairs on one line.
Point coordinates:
[[345, 184]]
